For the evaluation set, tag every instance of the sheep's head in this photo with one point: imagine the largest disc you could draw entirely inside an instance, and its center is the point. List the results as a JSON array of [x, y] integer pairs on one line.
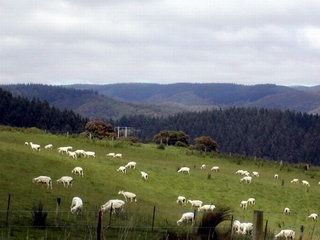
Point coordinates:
[[120, 192]]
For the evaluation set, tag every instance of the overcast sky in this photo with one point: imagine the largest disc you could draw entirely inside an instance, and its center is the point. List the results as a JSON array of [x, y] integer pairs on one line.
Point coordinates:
[[113, 41]]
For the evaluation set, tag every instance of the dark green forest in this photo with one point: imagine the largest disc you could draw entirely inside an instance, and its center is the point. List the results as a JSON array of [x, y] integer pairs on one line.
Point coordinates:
[[271, 134], [21, 112]]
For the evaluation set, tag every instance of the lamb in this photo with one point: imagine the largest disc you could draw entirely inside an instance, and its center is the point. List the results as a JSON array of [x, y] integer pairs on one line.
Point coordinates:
[[244, 204], [181, 200], [215, 168], [195, 203], [251, 201], [43, 180], [296, 180], [111, 155], [206, 208], [49, 146], [276, 176], [246, 228], [76, 205], [66, 180], [118, 155], [122, 169], [131, 165], [35, 147], [144, 176], [287, 234], [305, 183], [246, 179], [90, 154], [80, 153], [128, 195], [255, 174], [186, 217], [77, 170], [287, 211], [236, 225], [184, 170], [113, 205], [240, 172], [313, 216], [72, 154], [203, 166]]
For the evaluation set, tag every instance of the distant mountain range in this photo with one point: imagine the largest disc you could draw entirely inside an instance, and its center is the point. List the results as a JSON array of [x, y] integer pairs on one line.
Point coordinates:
[[117, 100]]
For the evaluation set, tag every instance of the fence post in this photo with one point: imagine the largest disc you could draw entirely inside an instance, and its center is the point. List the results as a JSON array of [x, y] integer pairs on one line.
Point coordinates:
[[110, 216], [282, 182], [301, 232], [99, 235], [153, 216], [231, 236], [8, 209], [257, 225], [265, 230], [57, 220]]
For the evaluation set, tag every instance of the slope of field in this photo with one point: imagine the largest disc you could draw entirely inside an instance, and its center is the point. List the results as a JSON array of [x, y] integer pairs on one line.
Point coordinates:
[[102, 182]]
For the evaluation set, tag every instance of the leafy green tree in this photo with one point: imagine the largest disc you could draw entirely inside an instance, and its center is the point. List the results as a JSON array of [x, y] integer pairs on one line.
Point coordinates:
[[100, 129], [171, 137], [206, 144]]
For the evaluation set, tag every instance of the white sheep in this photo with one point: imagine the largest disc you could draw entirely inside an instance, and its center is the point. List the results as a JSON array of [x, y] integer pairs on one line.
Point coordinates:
[[122, 169], [118, 155], [203, 166], [66, 180], [26, 143], [246, 179], [48, 146], [128, 195], [114, 205], [186, 217], [206, 208], [35, 147], [245, 173], [144, 176], [295, 180], [305, 183], [131, 165], [80, 153], [246, 228], [236, 226], [313, 216], [72, 154], [287, 211], [90, 154], [195, 203], [76, 205], [276, 176], [251, 201], [111, 155], [43, 180], [239, 172], [65, 150], [244, 204], [77, 170], [184, 170], [181, 200], [215, 168], [287, 234], [255, 174]]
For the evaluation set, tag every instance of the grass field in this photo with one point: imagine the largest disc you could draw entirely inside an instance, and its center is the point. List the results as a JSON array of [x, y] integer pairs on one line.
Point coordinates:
[[19, 164]]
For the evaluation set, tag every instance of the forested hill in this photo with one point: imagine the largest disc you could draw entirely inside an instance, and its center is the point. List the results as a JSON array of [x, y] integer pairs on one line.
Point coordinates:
[[21, 112], [273, 134]]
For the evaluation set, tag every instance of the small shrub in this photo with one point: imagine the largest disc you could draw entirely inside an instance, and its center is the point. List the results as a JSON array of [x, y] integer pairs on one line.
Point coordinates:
[[181, 144], [39, 216], [161, 146]]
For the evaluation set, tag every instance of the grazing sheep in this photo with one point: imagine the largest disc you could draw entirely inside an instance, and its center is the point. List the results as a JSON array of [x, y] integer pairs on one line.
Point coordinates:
[[236, 226], [239, 172], [287, 211], [244, 204], [246, 228], [203, 166], [246, 173], [246, 179], [305, 183], [195, 203], [65, 150], [76, 205], [255, 174], [186, 217], [26, 143], [313, 216], [90, 154], [66, 180], [296, 180], [118, 155], [128, 195], [184, 170], [206, 208], [72, 154], [122, 169], [181, 200], [111, 155], [43, 180], [114, 205], [35, 147], [251, 201], [131, 165], [80, 153], [276, 176], [49, 146], [215, 169], [144, 176], [286, 234], [77, 170]]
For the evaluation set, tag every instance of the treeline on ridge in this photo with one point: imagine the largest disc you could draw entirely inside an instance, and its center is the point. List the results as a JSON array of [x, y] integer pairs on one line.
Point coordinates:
[[272, 134], [21, 112]]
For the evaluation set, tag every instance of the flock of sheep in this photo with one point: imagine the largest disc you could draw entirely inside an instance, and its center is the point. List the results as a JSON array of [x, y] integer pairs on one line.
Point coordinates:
[[116, 205]]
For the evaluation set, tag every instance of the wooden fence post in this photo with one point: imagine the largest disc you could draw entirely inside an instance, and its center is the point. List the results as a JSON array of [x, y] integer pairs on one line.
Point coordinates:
[[257, 225], [8, 209], [265, 230], [57, 220], [153, 217], [110, 215], [301, 232], [99, 235], [231, 235]]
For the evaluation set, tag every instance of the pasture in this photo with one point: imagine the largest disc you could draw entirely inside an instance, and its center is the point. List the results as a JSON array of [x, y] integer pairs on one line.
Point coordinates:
[[101, 182]]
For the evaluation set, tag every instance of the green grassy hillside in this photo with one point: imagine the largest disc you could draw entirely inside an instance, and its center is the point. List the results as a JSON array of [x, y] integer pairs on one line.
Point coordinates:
[[102, 182]]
